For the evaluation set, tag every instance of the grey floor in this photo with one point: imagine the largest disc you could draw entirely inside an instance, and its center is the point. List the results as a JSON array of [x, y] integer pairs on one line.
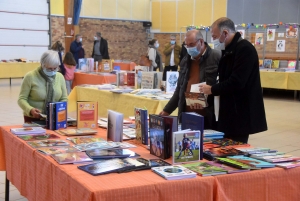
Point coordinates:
[[282, 116]]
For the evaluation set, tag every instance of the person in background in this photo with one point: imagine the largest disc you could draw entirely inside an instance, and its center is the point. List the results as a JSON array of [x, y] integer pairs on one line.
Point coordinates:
[[183, 52], [241, 110], [41, 86], [100, 48], [76, 48], [199, 65], [70, 66], [154, 56], [172, 52], [57, 46]]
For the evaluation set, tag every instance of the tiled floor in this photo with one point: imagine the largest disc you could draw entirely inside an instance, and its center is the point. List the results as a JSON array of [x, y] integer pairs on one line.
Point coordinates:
[[282, 116]]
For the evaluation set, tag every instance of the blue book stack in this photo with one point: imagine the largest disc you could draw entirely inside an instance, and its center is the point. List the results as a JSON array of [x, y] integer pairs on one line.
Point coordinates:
[[212, 134]]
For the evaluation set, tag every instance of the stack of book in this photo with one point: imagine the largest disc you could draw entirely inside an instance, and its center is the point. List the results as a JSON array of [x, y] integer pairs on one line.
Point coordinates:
[[212, 134], [174, 172]]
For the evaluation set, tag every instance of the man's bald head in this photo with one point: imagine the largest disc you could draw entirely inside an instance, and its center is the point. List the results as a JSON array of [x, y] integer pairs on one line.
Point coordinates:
[[194, 33]]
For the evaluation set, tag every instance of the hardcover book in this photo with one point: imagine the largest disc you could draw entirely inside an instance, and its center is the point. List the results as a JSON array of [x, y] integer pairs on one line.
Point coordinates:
[[194, 121], [141, 125], [108, 154], [275, 64], [192, 98], [57, 150], [60, 115], [85, 139], [171, 81], [186, 146], [74, 157], [115, 126], [87, 114], [148, 80], [106, 65], [48, 143], [130, 79], [205, 169], [38, 137], [138, 75], [292, 64], [120, 79], [267, 63], [86, 64], [174, 172]]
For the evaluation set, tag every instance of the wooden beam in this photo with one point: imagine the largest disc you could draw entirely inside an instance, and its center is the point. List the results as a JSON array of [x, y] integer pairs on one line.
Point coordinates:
[[69, 27]]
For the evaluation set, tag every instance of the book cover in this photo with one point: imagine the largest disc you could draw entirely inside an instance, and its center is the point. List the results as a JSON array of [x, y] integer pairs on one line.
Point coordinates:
[[106, 166], [147, 80], [171, 81], [237, 163], [93, 145], [261, 63], [28, 131], [292, 64], [60, 115], [280, 158], [138, 124], [144, 126], [115, 126], [106, 65], [77, 131], [192, 98], [74, 157], [267, 63], [157, 136], [252, 161], [130, 79], [211, 153], [205, 169], [229, 169], [138, 75], [48, 143], [211, 133], [120, 79], [275, 64], [289, 164], [83, 64], [87, 114], [57, 150], [85, 139], [194, 121], [229, 142], [186, 146], [108, 154], [174, 172], [38, 137]]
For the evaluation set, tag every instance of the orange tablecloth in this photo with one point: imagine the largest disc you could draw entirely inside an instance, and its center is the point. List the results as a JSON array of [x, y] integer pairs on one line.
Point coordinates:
[[87, 78], [125, 66], [39, 177]]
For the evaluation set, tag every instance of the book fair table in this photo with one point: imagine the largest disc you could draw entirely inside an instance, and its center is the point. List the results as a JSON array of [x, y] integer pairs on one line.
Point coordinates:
[[123, 103], [39, 177], [280, 80], [93, 78], [128, 66]]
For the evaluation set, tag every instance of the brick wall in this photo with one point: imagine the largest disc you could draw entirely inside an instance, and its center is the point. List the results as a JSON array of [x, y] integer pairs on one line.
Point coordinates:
[[57, 29]]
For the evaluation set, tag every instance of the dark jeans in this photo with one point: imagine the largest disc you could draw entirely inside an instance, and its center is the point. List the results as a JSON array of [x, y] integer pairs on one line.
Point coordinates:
[[97, 58], [243, 138], [168, 68]]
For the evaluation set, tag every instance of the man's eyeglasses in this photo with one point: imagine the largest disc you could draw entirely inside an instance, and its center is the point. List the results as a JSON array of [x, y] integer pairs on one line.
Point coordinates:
[[192, 44]]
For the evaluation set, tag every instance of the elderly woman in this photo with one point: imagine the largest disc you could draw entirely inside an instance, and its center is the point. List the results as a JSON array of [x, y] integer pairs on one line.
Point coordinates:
[[41, 86]]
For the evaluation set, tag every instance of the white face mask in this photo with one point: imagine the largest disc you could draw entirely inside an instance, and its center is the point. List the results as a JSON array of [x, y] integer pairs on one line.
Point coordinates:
[[49, 73], [218, 45], [80, 39], [156, 45], [95, 38]]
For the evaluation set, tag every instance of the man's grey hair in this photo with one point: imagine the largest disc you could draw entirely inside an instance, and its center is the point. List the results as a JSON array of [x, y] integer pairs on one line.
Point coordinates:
[[98, 34], [224, 23], [172, 36], [198, 34], [50, 58]]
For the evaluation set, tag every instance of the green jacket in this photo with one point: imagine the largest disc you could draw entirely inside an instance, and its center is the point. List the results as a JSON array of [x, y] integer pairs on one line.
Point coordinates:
[[168, 52], [33, 91]]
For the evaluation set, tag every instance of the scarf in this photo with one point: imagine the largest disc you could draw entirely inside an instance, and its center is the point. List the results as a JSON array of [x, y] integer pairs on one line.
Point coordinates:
[[159, 56], [49, 89]]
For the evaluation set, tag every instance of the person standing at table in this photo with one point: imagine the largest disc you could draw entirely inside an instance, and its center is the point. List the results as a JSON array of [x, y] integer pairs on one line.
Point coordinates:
[[70, 66], [100, 49], [41, 86], [172, 52], [154, 56], [242, 109], [199, 65], [76, 48], [57, 46]]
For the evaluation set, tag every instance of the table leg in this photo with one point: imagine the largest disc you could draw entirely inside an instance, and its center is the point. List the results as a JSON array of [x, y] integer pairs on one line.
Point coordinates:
[[10, 81], [6, 188], [295, 94]]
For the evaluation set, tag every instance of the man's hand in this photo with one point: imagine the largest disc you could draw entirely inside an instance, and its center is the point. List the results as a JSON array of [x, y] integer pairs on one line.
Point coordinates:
[[163, 113], [196, 106], [172, 46], [35, 113], [206, 89]]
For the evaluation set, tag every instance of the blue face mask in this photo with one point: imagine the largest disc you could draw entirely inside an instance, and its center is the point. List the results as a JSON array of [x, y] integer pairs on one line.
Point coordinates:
[[193, 51], [172, 42], [49, 73]]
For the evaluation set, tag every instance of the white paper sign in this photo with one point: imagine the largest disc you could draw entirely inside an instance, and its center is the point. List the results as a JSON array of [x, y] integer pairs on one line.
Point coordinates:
[[280, 46], [69, 20]]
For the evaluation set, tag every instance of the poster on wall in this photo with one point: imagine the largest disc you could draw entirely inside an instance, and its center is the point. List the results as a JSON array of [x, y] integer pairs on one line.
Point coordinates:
[[291, 33], [259, 39], [242, 32], [280, 46], [271, 34], [280, 35]]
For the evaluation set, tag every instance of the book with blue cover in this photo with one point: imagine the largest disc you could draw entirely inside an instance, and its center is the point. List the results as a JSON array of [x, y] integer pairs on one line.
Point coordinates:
[[194, 121], [141, 125], [61, 115], [252, 161]]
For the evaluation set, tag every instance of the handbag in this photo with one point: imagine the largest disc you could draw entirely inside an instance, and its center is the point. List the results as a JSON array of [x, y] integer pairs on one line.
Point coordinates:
[[144, 61]]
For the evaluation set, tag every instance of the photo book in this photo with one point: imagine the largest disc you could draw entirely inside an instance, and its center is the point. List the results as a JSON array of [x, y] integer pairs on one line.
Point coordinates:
[[115, 126], [141, 125], [205, 169], [74, 157], [57, 150], [87, 114], [174, 172]]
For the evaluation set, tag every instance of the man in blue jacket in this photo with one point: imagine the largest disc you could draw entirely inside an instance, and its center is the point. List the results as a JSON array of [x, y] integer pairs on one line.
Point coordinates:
[[77, 48]]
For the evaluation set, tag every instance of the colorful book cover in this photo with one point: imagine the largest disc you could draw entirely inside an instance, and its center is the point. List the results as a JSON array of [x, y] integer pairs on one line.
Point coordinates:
[[108, 154], [87, 114], [115, 126], [237, 163], [48, 143], [141, 125], [74, 157], [85, 139], [194, 121], [261, 63], [106, 65], [267, 63], [57, 150], [210, 133], [275, 64], [192, 98], [37, 137], [130, 79], [289, 164], [174, 172], [186, 146], [138, 75], [147, 80], [205, 169], [61, 115], [171, 81], [252, 161], [229, 169], [292, 64], [28, 131], [77, 131], [211, 153]]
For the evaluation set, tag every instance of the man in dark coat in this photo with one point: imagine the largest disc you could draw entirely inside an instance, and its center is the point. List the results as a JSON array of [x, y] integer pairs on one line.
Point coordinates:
[[241, 102], [100, 48], [199, 65], [76, 48]]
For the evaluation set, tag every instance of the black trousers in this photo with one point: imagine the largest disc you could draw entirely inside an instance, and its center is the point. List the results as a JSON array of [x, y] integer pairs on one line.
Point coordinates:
[[169, 68], [243, 138]]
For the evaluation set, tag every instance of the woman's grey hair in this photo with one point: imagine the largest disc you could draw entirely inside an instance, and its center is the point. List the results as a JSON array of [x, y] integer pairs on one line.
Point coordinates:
[[50, 58], [224, 23]]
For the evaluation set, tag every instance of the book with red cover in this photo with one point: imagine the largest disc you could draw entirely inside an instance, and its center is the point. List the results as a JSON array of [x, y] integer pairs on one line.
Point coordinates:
[[131, 79], [87, 114]]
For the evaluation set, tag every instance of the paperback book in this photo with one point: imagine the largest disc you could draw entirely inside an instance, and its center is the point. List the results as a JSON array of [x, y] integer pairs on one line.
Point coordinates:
[[85, 139], [252, 161], [120, 79], [28, 131], [74, 157], [108, 154], [115, 126], [205, 169], [56, 150], [38, 137], [174, 172], [48, 143], [237, 163], [192, 98], [87, 114], [106, 65], [212, 153], [141, 125], [267, 63], [229, 169], [77, 131], [289, 164]]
